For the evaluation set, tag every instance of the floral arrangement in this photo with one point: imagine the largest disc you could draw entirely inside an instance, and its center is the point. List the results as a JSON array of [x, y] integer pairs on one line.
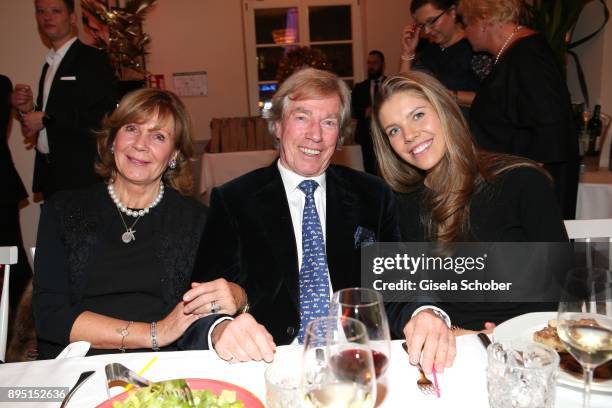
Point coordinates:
[[120, 32]]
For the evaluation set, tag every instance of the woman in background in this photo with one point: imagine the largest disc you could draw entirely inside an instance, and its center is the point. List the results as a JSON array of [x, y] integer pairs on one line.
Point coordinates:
[[449, 191], [447, 55], [523, 107], [113, 262]]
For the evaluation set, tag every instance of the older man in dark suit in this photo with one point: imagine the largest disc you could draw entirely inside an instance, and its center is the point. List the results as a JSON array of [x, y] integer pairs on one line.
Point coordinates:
[[76, 90], [291, 233]]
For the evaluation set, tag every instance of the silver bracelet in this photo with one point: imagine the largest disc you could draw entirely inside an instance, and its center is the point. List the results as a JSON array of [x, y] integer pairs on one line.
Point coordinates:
[[407, 58], [154, 344]]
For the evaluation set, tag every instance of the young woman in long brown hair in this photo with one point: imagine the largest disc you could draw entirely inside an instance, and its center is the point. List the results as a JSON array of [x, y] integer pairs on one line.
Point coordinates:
[[450, 191]]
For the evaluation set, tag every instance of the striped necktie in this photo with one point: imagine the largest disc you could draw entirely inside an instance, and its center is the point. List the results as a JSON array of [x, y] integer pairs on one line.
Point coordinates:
[[313, 277]]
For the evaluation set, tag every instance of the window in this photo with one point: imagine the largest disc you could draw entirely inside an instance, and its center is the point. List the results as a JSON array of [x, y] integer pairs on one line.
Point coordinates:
[[274, 28]]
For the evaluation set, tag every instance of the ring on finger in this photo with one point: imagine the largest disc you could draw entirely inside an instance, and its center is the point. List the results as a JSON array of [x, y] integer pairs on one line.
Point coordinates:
[[214, 307]]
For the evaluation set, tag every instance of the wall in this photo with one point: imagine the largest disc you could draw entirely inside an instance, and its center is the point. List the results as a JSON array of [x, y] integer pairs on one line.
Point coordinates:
[[593, 58], [187, 35]]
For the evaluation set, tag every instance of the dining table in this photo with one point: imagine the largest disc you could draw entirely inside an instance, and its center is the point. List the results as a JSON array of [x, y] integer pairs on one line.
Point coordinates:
[[594, 191], [462, 385]]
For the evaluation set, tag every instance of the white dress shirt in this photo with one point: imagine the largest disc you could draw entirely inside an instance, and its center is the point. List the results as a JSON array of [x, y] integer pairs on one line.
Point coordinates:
[[54, 59]]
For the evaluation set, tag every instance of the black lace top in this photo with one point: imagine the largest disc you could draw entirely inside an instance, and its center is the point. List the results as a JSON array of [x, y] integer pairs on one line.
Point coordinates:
[[82, 264]]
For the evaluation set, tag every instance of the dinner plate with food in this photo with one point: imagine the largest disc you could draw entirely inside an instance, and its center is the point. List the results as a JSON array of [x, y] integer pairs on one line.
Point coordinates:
[[541, 327], [206, 393]]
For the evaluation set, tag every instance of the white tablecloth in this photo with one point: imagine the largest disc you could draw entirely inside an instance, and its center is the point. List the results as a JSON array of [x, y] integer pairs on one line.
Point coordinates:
[[463, 385], [218, 168], [594, 194]]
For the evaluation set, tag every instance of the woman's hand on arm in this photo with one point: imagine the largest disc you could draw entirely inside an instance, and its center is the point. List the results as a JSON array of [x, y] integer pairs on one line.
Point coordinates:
[[228, 297], [105, 332]]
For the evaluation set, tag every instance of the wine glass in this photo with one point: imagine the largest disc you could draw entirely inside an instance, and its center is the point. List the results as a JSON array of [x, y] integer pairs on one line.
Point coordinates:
[[584, 323], [337, 365], [366, 305]]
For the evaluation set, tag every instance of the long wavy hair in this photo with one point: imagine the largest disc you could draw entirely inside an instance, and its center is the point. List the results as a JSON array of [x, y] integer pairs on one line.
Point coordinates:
[[461, 172]]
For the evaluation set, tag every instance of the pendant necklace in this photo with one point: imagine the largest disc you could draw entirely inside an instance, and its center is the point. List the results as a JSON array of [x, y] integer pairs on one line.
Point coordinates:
[[128, 236]]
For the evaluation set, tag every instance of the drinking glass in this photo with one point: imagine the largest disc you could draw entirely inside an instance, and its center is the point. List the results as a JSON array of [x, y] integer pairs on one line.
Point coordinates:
[[366, 305], [584, 323], [337, 365], [521, 375], [283, 380]]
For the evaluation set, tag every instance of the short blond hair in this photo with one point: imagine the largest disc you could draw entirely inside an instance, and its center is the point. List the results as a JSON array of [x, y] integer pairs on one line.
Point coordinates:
[[137, 107], [500, 11], [311, 83]]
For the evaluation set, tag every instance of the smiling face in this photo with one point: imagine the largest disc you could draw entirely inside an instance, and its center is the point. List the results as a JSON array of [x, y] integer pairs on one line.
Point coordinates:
[[308, 133], [438, 25], [414, 130], [143, 151], [55, 21]]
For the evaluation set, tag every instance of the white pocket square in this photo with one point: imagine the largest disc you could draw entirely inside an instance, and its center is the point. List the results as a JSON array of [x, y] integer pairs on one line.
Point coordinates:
[[68, 78]]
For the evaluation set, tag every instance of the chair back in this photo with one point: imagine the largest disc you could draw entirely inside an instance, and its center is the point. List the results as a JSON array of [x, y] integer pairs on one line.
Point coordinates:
[[239, 134], [588, 231], [8, 257]]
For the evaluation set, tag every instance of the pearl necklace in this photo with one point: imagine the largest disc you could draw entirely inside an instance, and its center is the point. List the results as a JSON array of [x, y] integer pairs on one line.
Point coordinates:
[[503, 48], [133, 213]]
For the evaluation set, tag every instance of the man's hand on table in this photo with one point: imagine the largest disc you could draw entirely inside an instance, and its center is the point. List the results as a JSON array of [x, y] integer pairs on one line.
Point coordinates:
[[426, 333], [243, 339]]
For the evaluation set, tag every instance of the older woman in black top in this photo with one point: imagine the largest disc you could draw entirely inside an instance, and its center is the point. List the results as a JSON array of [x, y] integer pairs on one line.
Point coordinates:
[[448, 191], [523, 107], [114, 262]]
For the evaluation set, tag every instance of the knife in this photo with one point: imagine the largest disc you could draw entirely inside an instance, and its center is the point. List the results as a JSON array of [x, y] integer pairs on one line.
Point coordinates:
[[484, 339]]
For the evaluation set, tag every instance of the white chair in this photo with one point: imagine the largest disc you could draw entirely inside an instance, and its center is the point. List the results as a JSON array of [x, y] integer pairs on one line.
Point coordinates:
[[8, 257], [591, 231]]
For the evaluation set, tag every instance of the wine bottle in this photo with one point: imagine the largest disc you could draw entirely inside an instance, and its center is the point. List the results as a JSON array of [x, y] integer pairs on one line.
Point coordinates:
[[594, 130]]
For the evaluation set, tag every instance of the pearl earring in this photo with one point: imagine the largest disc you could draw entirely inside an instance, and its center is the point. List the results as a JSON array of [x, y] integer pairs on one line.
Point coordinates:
[[113, 148], [172, 164]]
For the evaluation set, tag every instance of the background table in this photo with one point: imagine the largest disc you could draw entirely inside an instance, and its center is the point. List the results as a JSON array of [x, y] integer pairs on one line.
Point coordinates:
[[463, 385], [219, 168], [594, 192]]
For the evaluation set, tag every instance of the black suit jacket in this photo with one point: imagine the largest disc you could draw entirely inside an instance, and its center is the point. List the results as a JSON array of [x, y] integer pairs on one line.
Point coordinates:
[[249, 239], [360, 102], [82, 92], [12, 188]]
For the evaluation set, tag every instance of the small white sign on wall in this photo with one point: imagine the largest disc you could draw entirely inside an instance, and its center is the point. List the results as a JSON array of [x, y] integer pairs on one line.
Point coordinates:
[[191, 83]]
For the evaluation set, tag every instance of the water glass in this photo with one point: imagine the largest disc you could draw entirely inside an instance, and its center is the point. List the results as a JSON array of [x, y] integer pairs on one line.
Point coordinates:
[[283, 380], [521, 375]]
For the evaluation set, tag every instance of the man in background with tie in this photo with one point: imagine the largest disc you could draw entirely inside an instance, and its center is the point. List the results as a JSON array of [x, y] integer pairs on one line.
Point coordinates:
[[362, 98], [290, 234], [75, 91]]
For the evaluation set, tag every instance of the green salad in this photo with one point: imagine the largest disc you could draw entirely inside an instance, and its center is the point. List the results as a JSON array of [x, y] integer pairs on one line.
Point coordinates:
[[153, 398]]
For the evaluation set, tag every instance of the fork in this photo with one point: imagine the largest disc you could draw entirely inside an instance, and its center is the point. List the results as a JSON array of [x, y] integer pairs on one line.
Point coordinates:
[[423, 383], [171, 388]]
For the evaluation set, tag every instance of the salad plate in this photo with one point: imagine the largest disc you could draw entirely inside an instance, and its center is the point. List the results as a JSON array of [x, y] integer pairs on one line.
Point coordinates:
[[202, 384]]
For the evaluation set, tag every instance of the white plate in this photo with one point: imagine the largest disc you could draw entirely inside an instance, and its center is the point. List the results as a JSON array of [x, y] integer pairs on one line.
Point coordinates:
[[522, 328]]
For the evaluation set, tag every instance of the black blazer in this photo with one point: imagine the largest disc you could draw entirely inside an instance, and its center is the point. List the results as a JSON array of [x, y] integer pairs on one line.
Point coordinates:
[[82, 92], [13, 190], [249, 239], [360, 102]]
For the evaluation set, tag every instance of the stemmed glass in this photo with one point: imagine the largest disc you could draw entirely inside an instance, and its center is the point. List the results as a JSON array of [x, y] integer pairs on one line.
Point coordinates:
[[366, 305], [337, 365], [584, 322]]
